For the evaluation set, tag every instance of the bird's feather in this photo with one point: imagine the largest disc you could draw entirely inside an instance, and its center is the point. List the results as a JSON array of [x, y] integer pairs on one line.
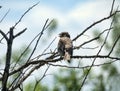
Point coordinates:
[[65, 47]]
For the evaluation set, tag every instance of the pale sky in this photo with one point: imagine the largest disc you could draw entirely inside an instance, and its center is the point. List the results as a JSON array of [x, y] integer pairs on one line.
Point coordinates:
[[73, 16]]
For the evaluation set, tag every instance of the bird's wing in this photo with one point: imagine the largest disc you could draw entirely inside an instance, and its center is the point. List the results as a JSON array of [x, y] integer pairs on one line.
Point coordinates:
[[69, 46], [61, 47]]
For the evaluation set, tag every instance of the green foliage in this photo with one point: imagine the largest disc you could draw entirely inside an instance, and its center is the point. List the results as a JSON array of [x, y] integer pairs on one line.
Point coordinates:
[[52, 27], [100, 40], [40, 87], [17, 53], [51, 30], [96, 33], [110, 69], [69, 81], [16, 61], [116, 33], [99, 84]]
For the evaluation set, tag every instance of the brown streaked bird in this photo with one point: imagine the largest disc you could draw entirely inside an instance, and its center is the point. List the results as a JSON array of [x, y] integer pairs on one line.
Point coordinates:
[[65, 46]]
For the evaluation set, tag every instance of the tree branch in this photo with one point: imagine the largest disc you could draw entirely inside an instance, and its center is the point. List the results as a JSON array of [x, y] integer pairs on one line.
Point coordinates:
[[20, 33], [25, 14], [83, 67], [89, 41], [112, 7], [4, 15], [94, 25], [8, 60], [4, 35], [37, 82], [41, 33], [95, 58]]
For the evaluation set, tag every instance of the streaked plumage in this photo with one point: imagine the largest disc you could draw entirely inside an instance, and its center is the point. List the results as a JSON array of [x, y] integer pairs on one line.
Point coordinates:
[[65, 47]]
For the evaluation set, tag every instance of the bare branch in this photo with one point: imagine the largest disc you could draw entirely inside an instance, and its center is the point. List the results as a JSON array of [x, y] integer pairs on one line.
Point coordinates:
[[4, 35], [25, 77], [41, 33], [79, 67], [4, 15], [96, 55], [43, 62], [37, 82], [51, 57], [103, 19], [112, 7], [94, 39], [25, 14], [20, 17], [114, 45], [45, 50], [20, 33], [8, 60]]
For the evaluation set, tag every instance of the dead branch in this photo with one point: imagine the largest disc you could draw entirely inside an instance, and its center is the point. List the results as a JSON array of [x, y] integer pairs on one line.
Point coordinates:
[[43, 62], [8, 59], [83, 67], [112, 7], [37, 82], [41, 33], [95, 24], [91, 40], [83, 82], [21, 32], [4, 16], [25, 14], [19, 19], [51, 57], [4, 35]]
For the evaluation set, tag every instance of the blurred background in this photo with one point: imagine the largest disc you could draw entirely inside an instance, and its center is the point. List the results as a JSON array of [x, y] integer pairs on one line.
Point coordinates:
[[72, 16]]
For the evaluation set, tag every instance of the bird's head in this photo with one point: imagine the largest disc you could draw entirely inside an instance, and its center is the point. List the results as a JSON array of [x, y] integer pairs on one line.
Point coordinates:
[[64, 34]]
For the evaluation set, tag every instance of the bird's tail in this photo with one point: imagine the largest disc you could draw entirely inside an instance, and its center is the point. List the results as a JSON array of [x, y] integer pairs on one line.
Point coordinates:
[[67, 57]]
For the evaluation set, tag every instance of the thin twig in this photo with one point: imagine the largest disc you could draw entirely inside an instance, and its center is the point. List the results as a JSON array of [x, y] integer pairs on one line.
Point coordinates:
[[4, 35], [112, 7], [4, 15], [79, 67], [41, 33], [114, 45], [8, 60], [37, 82], [94, 39], [95, 58], [43, 62], [25, 14], [25, 77], [29, 46], [18, 34], [45, 50], [97, 22]]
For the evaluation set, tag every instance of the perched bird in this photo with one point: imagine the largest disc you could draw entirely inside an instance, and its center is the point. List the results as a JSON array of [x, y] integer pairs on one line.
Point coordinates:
[[65, 46]]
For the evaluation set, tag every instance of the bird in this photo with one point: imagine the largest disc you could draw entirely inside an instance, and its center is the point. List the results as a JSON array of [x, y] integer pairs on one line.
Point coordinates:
[[65, 46]]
